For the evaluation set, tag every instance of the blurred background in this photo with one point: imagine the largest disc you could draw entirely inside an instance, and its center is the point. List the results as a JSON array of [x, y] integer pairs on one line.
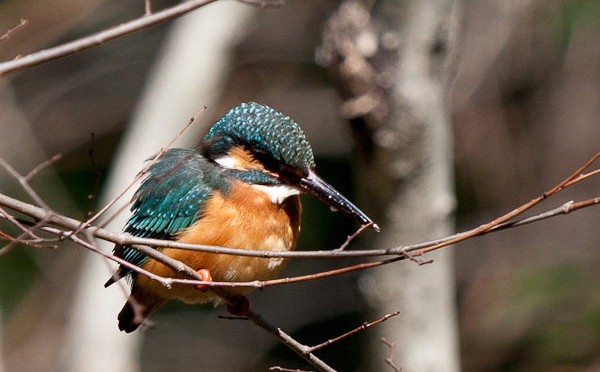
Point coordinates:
[[524, 103]]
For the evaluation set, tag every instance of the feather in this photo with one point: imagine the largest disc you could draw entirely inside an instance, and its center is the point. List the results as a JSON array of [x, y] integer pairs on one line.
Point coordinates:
[[170, 199]]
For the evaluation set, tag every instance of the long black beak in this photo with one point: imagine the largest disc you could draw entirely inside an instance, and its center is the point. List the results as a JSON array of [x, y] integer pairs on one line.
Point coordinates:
[[314, 185]]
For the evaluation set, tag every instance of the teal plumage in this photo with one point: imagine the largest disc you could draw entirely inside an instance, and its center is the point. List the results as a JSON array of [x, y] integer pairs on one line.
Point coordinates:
[[274, 138], [172, 195], [170, 199], [238, 189]]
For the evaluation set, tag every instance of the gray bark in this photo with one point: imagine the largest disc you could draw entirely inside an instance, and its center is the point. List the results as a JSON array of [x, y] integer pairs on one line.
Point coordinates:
[[391, 63], [413, 156]]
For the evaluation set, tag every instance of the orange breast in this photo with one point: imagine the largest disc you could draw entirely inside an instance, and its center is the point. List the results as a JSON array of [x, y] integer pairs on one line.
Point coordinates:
[[246, 219]]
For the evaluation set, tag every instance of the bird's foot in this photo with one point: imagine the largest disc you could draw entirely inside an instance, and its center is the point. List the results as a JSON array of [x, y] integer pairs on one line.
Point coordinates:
[[206, 277], [238, 305]]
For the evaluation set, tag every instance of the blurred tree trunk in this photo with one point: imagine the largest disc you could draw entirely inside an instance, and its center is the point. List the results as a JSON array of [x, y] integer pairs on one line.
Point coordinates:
[[391, 63], [189, 75]]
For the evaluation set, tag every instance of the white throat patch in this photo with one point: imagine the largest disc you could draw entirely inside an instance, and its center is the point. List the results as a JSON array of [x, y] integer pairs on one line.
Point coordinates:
[[227, 162], [277, 193]]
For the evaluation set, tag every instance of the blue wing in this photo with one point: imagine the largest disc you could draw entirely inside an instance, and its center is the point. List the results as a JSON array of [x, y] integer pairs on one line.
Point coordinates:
[[170, 199]]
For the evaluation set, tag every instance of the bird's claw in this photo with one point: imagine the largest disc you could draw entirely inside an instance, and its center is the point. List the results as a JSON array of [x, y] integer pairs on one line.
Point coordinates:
[[206, 277]]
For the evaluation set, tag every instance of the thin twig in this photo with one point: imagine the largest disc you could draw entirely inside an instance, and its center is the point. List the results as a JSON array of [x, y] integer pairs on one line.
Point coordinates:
[[101, 37], [353, 236], [582, 177], [46, 216], [360, 328], [15, 222], [300, 349], [264, 4], [168, 282], [35, 242], [42, 219], [34, 172], [389, 360], [566, 208], [5, 236], [293, 279], [25, 185], [283, 369], [8, 33], [141, 174], [571, 180], [127, 239], [178, 266]]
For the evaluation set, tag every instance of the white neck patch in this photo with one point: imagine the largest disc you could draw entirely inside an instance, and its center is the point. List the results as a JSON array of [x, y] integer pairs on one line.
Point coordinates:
[[277, 193], [227, 162]]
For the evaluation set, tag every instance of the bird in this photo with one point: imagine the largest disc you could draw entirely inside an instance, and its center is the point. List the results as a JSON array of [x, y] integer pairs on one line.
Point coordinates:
[[240, 189]]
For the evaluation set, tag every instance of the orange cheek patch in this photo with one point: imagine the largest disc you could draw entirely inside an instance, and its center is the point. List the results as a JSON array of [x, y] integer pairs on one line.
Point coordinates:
[[244, 160]]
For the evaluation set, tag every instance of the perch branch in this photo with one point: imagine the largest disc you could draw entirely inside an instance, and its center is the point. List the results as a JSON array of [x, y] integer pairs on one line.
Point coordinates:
[[66, 228]]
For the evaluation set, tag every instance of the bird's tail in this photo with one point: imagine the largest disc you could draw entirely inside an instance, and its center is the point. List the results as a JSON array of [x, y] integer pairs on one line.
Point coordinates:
[[136, 310]]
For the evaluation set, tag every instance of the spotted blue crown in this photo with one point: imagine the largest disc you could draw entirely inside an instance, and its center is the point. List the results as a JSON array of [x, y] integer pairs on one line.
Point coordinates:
[[272, 137]]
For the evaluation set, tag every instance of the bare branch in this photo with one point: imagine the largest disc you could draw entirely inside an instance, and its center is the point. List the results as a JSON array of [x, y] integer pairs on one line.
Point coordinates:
[[101, 37], [171, 263], [574, 178], [264, 4], [353, 236], [33, 242], [289, 341], [566, 208], [67, 228], [389, 360], [23, 181], [294, 279], [34, 172], [144, 171], [362, 327], [15, 222], [283, 369], [6, 35], [401, 251]]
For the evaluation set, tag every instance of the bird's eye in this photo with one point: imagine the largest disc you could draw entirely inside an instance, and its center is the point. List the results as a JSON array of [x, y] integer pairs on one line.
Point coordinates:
[[267, 160]]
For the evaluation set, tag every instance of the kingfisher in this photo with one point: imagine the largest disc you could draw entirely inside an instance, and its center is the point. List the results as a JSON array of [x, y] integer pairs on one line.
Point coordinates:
[[240, 189]]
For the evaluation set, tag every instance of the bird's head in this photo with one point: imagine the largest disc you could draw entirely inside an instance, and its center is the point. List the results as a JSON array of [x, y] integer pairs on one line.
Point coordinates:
[[267, 148]]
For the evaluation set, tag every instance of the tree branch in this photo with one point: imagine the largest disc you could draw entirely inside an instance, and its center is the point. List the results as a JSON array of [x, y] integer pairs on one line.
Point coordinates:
[[49, 221], [101, 37], [8, 33], [362, 327]]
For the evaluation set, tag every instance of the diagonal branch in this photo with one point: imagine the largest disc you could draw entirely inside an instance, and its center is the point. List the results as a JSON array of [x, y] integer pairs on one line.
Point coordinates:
[[8, 33], [68, 228], [362, 327], [141, 174], [574, 178], [101, 37]]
